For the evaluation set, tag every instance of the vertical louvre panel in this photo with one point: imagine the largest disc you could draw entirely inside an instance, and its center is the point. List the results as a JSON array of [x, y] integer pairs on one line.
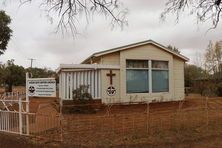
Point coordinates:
[[92, 84], [78, 79], [67, 86], [85, 78], [70, 81], [99, 84], [89, 80], [71, 85], [81, 75], [65, 91], [63, 85], [96, 86], [74, 80]]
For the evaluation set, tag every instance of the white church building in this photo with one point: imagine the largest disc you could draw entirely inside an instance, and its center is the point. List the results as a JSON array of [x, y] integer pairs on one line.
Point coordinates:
[[141, 72]]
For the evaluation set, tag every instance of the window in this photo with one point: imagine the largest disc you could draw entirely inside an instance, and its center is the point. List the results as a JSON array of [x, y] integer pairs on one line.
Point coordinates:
[[137, 76], [160, 76]]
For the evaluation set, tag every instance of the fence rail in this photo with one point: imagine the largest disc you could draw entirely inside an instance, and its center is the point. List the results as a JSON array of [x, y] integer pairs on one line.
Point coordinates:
[[14, 119], [110, 128], [114, 129]]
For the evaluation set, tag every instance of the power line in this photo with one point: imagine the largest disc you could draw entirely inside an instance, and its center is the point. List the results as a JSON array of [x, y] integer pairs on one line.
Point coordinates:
[[31, 60]]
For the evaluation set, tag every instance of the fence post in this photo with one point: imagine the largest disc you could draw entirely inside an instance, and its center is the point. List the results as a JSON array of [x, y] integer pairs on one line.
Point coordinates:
[[148, 117], [27, 105], [20, 116], [207, 113]]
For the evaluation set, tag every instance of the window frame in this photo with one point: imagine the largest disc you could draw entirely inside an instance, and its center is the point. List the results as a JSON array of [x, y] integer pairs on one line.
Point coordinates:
[[134, 68], [160, 69], [150, 77]]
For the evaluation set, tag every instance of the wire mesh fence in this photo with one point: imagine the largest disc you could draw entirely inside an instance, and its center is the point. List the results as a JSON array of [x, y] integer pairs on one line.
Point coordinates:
[[118, 129]]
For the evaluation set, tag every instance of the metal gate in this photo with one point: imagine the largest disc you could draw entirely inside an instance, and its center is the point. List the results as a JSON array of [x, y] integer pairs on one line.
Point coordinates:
[[12, 114], [15, 119]]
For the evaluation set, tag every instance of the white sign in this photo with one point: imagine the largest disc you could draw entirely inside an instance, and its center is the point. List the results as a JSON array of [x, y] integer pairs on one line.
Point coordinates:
[[41, 87]]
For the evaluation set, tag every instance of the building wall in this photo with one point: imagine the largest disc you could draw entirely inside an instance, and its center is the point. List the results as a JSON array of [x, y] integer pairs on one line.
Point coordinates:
[[106, 83], [145, 52], [110, 59], [148, 52], [178, 66]]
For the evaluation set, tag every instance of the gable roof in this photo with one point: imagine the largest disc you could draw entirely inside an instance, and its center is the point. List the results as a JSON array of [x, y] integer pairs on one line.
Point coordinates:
[[101, 53]]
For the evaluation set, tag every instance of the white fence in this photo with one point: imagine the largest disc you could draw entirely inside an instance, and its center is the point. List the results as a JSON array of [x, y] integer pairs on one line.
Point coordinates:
[[70, 81], [14, 118], [12, 113]]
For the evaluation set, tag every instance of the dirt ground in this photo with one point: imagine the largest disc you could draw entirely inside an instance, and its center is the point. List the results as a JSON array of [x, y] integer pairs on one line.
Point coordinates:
[[172, 123], [123, 120], [12, 141]]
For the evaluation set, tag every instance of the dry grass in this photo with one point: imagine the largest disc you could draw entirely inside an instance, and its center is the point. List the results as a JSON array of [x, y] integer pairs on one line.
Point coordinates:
[[135, 125]]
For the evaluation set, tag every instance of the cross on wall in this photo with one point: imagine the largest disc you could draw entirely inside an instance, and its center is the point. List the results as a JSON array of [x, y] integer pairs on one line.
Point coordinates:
[[111, 75]]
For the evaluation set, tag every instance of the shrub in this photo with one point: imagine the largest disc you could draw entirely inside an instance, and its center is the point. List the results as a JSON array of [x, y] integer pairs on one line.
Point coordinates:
[[219, 89], [82, 93]]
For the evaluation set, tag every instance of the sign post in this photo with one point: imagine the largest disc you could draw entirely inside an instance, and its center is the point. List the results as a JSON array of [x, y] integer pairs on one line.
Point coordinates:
[[27, 104], [38, 87]]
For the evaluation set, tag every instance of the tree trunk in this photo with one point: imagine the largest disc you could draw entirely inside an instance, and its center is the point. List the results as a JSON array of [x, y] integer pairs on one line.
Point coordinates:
[[9, 88]]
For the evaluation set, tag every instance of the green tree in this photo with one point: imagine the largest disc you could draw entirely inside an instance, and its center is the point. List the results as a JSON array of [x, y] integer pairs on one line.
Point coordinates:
[[204, 10], [5, 31], [41, 72], [174, 49], [193, 72], [13, 75]]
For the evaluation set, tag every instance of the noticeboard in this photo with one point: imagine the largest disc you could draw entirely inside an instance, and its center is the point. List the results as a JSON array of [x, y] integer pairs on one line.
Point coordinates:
[[41, 87]]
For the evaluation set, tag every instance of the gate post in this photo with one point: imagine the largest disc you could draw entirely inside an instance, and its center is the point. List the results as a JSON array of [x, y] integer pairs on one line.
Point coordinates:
[[20, 115], [27, 105]]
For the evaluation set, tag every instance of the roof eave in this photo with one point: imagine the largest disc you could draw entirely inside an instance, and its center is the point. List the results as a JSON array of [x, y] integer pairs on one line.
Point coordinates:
[[98, 54]]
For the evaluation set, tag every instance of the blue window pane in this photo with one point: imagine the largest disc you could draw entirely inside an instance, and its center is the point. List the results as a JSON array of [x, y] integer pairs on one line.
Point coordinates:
[[137, 81], [160, 81]]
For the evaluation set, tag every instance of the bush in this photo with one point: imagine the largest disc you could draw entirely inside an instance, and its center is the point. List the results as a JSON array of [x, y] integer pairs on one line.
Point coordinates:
[[219, 89], [82, 93]]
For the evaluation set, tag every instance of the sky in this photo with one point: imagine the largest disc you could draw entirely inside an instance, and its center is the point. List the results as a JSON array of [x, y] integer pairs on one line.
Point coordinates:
[[34, 34]]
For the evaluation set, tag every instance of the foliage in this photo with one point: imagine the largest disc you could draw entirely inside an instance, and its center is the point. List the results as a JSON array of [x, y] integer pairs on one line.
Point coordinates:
[[12, 75], [174, 49], [5, 31], [70, 11], [210, 84], [219, 89], [204, 10], [193, 72], [213, 58], [81, 93], [41, 72]]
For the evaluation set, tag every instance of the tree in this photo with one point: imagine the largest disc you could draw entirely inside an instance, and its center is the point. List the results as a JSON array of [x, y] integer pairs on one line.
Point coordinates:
[[69, 11], [191, 73], [174, 49], [213, 58], [41, 73], [13, 75], [5, 31], [1, 74], [204, 10]]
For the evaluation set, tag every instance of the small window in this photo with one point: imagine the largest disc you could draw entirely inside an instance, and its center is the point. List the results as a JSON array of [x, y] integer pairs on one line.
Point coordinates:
[[137, 81], [160, 81], [137, 76], [160, 76], [160, 64], [136, 64]]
